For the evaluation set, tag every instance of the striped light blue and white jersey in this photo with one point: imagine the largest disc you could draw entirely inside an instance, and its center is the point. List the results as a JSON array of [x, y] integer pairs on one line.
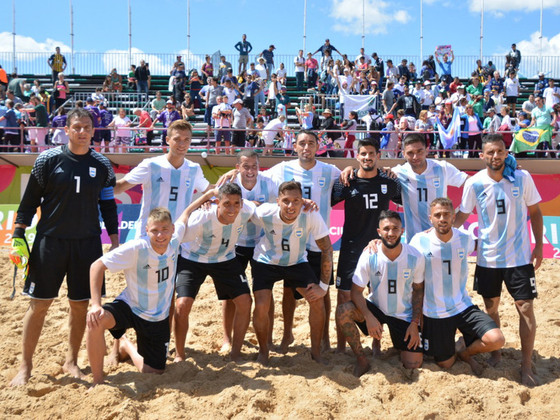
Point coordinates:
[[316, 183], [207, 240], [150, 277], [264, 191], [165, 186], [282, 243], [419, 190], [446, 273], [503, 239], [390, 282]]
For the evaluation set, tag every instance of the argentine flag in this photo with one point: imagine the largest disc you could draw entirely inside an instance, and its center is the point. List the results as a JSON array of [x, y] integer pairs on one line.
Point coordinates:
[[451, 134]]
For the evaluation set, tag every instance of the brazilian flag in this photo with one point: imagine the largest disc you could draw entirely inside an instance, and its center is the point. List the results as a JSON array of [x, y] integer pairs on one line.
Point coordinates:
[[528, 139]]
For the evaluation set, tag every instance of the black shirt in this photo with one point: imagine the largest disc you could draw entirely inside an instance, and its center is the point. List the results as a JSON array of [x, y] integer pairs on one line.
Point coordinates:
[[364, 199], [69, 186], [141, 73]]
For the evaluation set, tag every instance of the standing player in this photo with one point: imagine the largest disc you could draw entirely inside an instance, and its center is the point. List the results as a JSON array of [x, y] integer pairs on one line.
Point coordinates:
[[502, 196], [367, 194], [394, 275], [70, 183], [168, 181], [281, 255], [259, 189], [447, 305], [209, 250], [149, 264]]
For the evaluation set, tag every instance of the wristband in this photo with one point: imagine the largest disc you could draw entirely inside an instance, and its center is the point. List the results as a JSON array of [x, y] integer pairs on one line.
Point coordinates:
[[323, 286], [19, 232]]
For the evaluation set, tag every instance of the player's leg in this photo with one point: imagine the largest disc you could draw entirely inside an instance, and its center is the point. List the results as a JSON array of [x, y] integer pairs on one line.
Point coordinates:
[[288, 310], [314, 259], [240, 324], [77, 327], [411, 358], [438, 336], [316, 325], [33, 322], [228, 313], [348, 317], [343, 286], [261, 321], [183, 307], [96, 347]]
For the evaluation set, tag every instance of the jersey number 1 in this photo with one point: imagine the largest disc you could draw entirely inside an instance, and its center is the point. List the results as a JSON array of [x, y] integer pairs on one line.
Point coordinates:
[[77, 178]]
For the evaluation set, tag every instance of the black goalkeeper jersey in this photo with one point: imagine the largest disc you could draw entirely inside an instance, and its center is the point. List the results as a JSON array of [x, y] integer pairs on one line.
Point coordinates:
[[69, 186], [364, 199]]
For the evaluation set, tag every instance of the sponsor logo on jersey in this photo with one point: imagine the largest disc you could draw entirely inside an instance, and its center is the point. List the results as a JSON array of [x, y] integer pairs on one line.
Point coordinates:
[[59, 170], [378, 274], [92, 171], [515, 192], [147, 267], [212, 235], [436, 182], [322, 181], [461, 253], [406, 273], [240, 229], [299, 232], [160, 179], [272, 232], [355, 192], [429, 255], [383, 188]]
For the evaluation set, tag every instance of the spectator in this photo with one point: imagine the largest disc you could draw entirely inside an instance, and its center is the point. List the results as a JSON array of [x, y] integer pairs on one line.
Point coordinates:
[[3, 83], [142, 75], [282, 74], [116, 81], [145, 134], [268, 55], [157, 105], [106, 118], [471, 132], [403, 70], [274, 128], [392, 72], [388, 98], [242, 119], [16, 86], [178, 62], [122, 134], [107, 84], [169, 115], [542, 117], [261, 70], [59, 135], [515, 57], [187, 109], [195, 85], [511, 87], [38, 132], [57, 63], [244, 47], [491, 67], [540, 85], [330, 129], [551, 94], [27, 91], [492, 122], [379, 66], [222, 116], [305, 117], [426, 72], [283, 101], [61, 91], [367, 58], [207, 69], [350, 127], [327, 46], [529, 104], [446, 66], [487, 101], [214, 91], [223, 67], [230, 91], [131, 79], [250, 90], [96, 117], [311, 67], [476, 92], [299, 63], [11, 130], [273, 89], [179, 83], [408, 103], [424, 125], [36, 86]]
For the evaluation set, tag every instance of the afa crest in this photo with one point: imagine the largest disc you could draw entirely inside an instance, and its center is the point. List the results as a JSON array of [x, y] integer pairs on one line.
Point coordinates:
[[92, 171], [188, 183], [461, 253], [261, 198], [515, 192], [407, 273], [321, 181], [383, 188], [240, 228], [437, 182], [299, 232]]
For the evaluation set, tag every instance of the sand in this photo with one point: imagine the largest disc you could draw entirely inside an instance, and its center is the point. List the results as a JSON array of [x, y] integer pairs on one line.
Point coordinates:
[[208, 386]]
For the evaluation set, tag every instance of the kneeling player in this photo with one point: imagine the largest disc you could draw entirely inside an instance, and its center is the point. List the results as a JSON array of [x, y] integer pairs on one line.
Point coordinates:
[[447, 305], [394, 274], [281, 255], [149, 268]]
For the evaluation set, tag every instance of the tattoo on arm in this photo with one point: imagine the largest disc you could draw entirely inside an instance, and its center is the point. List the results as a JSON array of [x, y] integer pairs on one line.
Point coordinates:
[[325, 246], [417, 300]]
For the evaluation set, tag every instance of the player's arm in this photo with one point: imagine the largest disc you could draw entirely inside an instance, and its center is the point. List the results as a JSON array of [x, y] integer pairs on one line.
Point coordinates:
[[374, 327], [537, 227], [108, 209], [417, 303], [346, 175], [208, 194], [460, 218], [318, 291], [96, 312]]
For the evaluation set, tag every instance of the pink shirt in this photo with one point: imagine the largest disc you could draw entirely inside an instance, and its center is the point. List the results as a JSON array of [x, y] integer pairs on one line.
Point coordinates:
[[311, 63]]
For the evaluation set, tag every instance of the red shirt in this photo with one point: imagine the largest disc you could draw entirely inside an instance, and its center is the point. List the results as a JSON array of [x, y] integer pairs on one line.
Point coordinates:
[[311, 63]]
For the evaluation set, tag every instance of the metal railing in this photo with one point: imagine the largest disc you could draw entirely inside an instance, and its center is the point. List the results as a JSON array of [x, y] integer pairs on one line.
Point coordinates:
[[91, 63]]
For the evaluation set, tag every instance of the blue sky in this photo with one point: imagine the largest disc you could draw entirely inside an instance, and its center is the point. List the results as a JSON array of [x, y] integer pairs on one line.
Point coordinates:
[[392, 27]]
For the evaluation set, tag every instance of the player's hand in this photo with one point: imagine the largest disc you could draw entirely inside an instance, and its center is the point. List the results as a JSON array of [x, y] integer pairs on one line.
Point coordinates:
[[373, 246], [346, 175], [94, 316], [374, 327], [537, 256], [388, 171], [314, 292], [414, 335], [19, 254], [309, 205], [227, 177]]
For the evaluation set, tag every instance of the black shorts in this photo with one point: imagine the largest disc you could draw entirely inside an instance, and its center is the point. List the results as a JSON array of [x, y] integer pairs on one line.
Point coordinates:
[[511, 100], [229, 278], [397, 328], [152, 337], [297, 275], [347, 263], [52, 258], [439, 333], [244, 254], [520, 281], [238, 138], [104, 135]]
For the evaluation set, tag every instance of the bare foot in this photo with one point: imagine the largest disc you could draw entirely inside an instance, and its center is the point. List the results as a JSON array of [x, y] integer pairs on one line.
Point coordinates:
[[319, 359], [113, 357], [376, 348], [226, 348], [463, 354], [341, 348], [362, 366], [529, 378], [495, 358], [73, 370], [235, 356], [179, 358], [325, 344], [263, 359], [285, 344], [22, 377]]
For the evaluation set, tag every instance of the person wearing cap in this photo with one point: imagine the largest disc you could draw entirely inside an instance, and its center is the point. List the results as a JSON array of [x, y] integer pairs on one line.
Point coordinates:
[[540, 85], [241, 120], [268, 55], [327, 46], [244, 47], [515, 57], [311, 68], [429, 96], [167, 117], [177, 63], [329, 127], [492, 122]]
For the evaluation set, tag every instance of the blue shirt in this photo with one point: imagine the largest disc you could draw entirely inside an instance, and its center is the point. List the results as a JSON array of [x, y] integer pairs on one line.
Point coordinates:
[[445, 67], [244, 47], [268, 56]]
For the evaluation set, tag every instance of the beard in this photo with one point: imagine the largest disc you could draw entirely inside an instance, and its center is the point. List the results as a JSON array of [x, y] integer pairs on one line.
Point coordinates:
[[389, 245]]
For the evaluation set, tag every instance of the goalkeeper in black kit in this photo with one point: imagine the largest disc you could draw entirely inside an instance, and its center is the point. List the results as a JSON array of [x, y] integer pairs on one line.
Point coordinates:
[[71, 184]]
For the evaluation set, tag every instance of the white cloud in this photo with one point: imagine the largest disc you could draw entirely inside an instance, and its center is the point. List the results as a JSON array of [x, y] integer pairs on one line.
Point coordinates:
[[550, 47], [159, 64], [28, 44], [500, 6], [379, 16]]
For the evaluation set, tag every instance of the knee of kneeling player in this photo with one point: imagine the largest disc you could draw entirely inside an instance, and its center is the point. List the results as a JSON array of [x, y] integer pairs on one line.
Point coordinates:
[[494, 339]]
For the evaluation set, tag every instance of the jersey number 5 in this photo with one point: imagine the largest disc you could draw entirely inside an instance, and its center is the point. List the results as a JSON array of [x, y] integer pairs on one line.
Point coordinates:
[[173, 194]]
